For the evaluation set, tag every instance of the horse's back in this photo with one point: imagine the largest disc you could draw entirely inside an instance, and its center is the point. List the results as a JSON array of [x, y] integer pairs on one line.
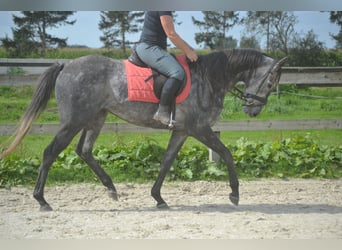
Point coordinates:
[[84, 85]]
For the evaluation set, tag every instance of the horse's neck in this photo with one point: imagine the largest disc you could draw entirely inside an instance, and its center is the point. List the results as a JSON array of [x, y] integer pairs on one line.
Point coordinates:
[[221, 77], [209, 93], [239, 77]]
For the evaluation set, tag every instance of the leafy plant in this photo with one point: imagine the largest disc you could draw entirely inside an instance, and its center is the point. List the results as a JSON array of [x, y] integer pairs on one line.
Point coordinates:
[[299, 156], [138, 161], [14, 171]]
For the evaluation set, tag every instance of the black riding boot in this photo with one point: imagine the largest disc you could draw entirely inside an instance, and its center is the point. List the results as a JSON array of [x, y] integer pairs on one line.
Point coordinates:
[[168, 95]]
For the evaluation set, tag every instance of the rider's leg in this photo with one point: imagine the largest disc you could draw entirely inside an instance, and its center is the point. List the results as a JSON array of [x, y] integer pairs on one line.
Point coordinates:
[[167, 65], [168, 95]]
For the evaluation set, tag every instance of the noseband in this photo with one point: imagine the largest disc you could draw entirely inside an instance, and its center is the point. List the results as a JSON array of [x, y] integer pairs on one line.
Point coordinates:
[[247, 96]]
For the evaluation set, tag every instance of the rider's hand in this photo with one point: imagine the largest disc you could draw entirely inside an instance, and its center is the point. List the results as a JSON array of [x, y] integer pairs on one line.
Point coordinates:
[[191, 55]]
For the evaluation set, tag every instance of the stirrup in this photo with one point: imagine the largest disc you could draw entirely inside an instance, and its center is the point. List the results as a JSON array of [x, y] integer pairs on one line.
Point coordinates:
[[172, 122]]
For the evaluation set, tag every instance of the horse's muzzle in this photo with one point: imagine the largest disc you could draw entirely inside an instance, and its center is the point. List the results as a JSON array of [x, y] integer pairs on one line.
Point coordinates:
[[252, 110]]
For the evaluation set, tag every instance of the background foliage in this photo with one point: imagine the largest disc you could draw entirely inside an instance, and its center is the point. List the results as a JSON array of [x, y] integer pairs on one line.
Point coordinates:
[[138, 161], [31, 37]]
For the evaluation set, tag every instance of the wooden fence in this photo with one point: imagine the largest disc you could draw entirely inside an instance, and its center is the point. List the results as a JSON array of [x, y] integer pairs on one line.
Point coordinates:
[[243, 125], [9, 129], [311, 76]]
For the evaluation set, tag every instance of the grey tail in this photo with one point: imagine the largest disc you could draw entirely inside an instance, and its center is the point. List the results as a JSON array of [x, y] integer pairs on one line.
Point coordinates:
[[39, 101]]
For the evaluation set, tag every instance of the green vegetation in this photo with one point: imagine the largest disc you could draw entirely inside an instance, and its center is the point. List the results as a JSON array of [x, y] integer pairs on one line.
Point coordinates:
[[295, 103], [71, 53], [332, 58], [138, 161], [34, 145]]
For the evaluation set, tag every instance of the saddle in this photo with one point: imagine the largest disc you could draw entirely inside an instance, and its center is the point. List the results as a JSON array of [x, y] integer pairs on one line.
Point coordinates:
[[145, 84], [135, 59]]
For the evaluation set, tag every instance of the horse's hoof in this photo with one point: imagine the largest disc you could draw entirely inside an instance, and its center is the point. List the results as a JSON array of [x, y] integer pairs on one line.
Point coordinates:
[[163, 206], [234, 199], [45, 208], [114, 195]]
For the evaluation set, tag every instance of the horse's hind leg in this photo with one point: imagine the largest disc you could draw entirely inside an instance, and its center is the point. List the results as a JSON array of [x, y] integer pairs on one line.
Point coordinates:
[[84, 150], [58, 144]]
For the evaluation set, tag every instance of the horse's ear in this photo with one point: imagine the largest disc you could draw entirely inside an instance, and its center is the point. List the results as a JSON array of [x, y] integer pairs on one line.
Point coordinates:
[[279, 64], [283, 60]]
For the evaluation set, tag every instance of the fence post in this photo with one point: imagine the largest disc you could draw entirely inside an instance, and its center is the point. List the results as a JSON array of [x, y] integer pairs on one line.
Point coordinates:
[[213, 156]]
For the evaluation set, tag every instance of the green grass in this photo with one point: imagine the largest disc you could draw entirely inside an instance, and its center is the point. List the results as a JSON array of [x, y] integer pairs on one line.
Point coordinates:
[[14, 101], [34, 145], [292, 105]]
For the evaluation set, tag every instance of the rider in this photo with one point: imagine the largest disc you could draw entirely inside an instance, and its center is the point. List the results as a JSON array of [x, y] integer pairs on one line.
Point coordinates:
[[151, 49]]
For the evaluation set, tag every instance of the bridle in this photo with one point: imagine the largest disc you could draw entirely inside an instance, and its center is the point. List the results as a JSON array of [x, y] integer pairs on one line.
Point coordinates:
[[246, 97]]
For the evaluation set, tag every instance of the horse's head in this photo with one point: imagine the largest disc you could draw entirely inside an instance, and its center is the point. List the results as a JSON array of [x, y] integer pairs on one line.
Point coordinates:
[[259, 85]]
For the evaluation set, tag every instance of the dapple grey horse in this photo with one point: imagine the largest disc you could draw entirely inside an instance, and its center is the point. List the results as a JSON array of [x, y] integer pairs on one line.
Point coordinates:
[[90, 87]]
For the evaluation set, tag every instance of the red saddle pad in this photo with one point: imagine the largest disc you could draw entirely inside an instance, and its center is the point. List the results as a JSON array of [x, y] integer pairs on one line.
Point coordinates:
[[141, 90]]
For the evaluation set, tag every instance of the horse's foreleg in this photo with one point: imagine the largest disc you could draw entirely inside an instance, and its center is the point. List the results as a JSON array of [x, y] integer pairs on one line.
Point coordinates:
[[84, 150], [59, 143], [207, 136], [176, 141]]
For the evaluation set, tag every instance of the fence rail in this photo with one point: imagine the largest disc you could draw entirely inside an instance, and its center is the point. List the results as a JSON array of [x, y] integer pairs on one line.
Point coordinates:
[[308, 76], [243, 125]]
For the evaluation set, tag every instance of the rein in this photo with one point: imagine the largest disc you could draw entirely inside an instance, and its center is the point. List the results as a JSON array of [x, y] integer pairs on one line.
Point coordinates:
[[245, 96]]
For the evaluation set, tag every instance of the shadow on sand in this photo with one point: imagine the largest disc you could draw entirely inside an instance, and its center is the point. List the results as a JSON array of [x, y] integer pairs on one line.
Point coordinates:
[[227, 208]]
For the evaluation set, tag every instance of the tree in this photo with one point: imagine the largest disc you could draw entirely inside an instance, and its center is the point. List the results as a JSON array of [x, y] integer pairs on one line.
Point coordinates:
[[307, 51], [249, 42], [21, 45], [278, 26], [229, 43], [258, 22], [336, 17], [30, 35], [115, 25], [215, 27]]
